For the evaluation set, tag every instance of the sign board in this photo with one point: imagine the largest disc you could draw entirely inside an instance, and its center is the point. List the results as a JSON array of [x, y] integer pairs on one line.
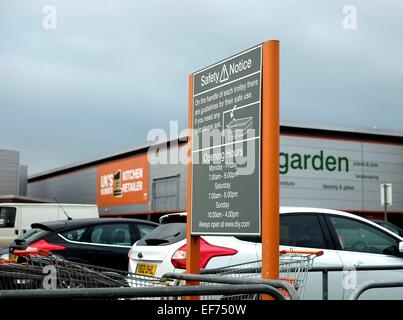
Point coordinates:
[[123, 182], [338, 174], [386, 194], [226, 121]]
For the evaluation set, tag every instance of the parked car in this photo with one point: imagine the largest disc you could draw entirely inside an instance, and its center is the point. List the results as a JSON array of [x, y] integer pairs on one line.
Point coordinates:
[[16, 218], [390, 226], [101, 242], [347, 240]]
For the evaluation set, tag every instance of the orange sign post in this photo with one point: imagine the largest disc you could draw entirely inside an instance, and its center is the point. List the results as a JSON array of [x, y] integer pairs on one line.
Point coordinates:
[[193, 242], [270, 160]]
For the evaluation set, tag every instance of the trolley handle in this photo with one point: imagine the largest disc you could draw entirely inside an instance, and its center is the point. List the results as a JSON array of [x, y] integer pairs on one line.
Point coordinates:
[[317, 253]]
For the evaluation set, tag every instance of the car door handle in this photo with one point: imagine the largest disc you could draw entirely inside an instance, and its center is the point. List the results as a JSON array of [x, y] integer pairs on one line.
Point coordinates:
[[358, 264]]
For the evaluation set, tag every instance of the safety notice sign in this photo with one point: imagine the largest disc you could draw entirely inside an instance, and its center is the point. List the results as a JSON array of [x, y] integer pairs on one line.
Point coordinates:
[[226, 121]]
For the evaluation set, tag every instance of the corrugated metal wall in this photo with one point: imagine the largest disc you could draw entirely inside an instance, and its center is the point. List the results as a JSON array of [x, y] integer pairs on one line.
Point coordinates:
[[75, 187], [9, 166], [23, 180]]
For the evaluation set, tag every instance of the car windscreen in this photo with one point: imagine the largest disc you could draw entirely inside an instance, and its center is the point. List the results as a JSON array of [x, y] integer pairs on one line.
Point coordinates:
[[392, 228], [31, 235], [164, 234]]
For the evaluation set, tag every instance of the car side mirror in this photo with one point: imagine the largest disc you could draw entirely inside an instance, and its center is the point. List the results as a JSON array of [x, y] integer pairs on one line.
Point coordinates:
[[401, 246]]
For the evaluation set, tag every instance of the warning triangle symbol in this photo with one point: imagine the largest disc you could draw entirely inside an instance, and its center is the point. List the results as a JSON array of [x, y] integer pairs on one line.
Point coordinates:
[[224, 74]]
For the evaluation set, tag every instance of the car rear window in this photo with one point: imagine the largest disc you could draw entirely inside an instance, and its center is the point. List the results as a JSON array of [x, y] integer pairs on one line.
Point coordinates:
[[31, 235], [164, 234]]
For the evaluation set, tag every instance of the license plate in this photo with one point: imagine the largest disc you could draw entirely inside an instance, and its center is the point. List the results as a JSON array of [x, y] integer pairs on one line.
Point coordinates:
[[146, 269], [13, 257]]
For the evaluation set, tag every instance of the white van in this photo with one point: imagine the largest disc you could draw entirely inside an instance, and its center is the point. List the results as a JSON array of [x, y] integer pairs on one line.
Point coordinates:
[[16, 218]]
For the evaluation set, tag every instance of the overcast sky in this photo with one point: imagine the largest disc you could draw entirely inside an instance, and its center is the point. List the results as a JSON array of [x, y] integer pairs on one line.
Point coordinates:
[[112, 70]]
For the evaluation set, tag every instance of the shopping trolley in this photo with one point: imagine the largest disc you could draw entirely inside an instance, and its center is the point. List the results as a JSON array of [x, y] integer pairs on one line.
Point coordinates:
[[41, 269], [293, 268]]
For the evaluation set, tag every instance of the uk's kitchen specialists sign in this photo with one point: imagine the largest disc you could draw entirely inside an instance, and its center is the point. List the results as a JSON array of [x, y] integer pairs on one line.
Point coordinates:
[[123, 182]]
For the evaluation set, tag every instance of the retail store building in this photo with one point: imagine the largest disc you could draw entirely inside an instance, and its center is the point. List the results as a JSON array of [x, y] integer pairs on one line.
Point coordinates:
[[326, 167]]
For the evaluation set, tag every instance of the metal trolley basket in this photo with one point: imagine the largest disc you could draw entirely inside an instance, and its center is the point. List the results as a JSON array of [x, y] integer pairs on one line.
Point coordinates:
[[41, 269], [293, 268]]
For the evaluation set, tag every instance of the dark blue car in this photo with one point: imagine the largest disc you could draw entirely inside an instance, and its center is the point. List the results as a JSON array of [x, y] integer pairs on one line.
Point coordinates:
[[101, 242]]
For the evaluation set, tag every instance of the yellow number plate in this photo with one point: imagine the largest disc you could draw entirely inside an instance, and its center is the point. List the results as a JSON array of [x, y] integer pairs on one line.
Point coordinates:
[[13, 257], [146, 269]]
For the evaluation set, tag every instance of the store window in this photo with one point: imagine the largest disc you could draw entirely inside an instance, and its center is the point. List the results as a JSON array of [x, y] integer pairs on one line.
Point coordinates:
[[165, 194]]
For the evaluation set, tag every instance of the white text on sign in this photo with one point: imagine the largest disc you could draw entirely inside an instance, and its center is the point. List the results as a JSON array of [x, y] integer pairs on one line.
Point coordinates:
[[234, 68]]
